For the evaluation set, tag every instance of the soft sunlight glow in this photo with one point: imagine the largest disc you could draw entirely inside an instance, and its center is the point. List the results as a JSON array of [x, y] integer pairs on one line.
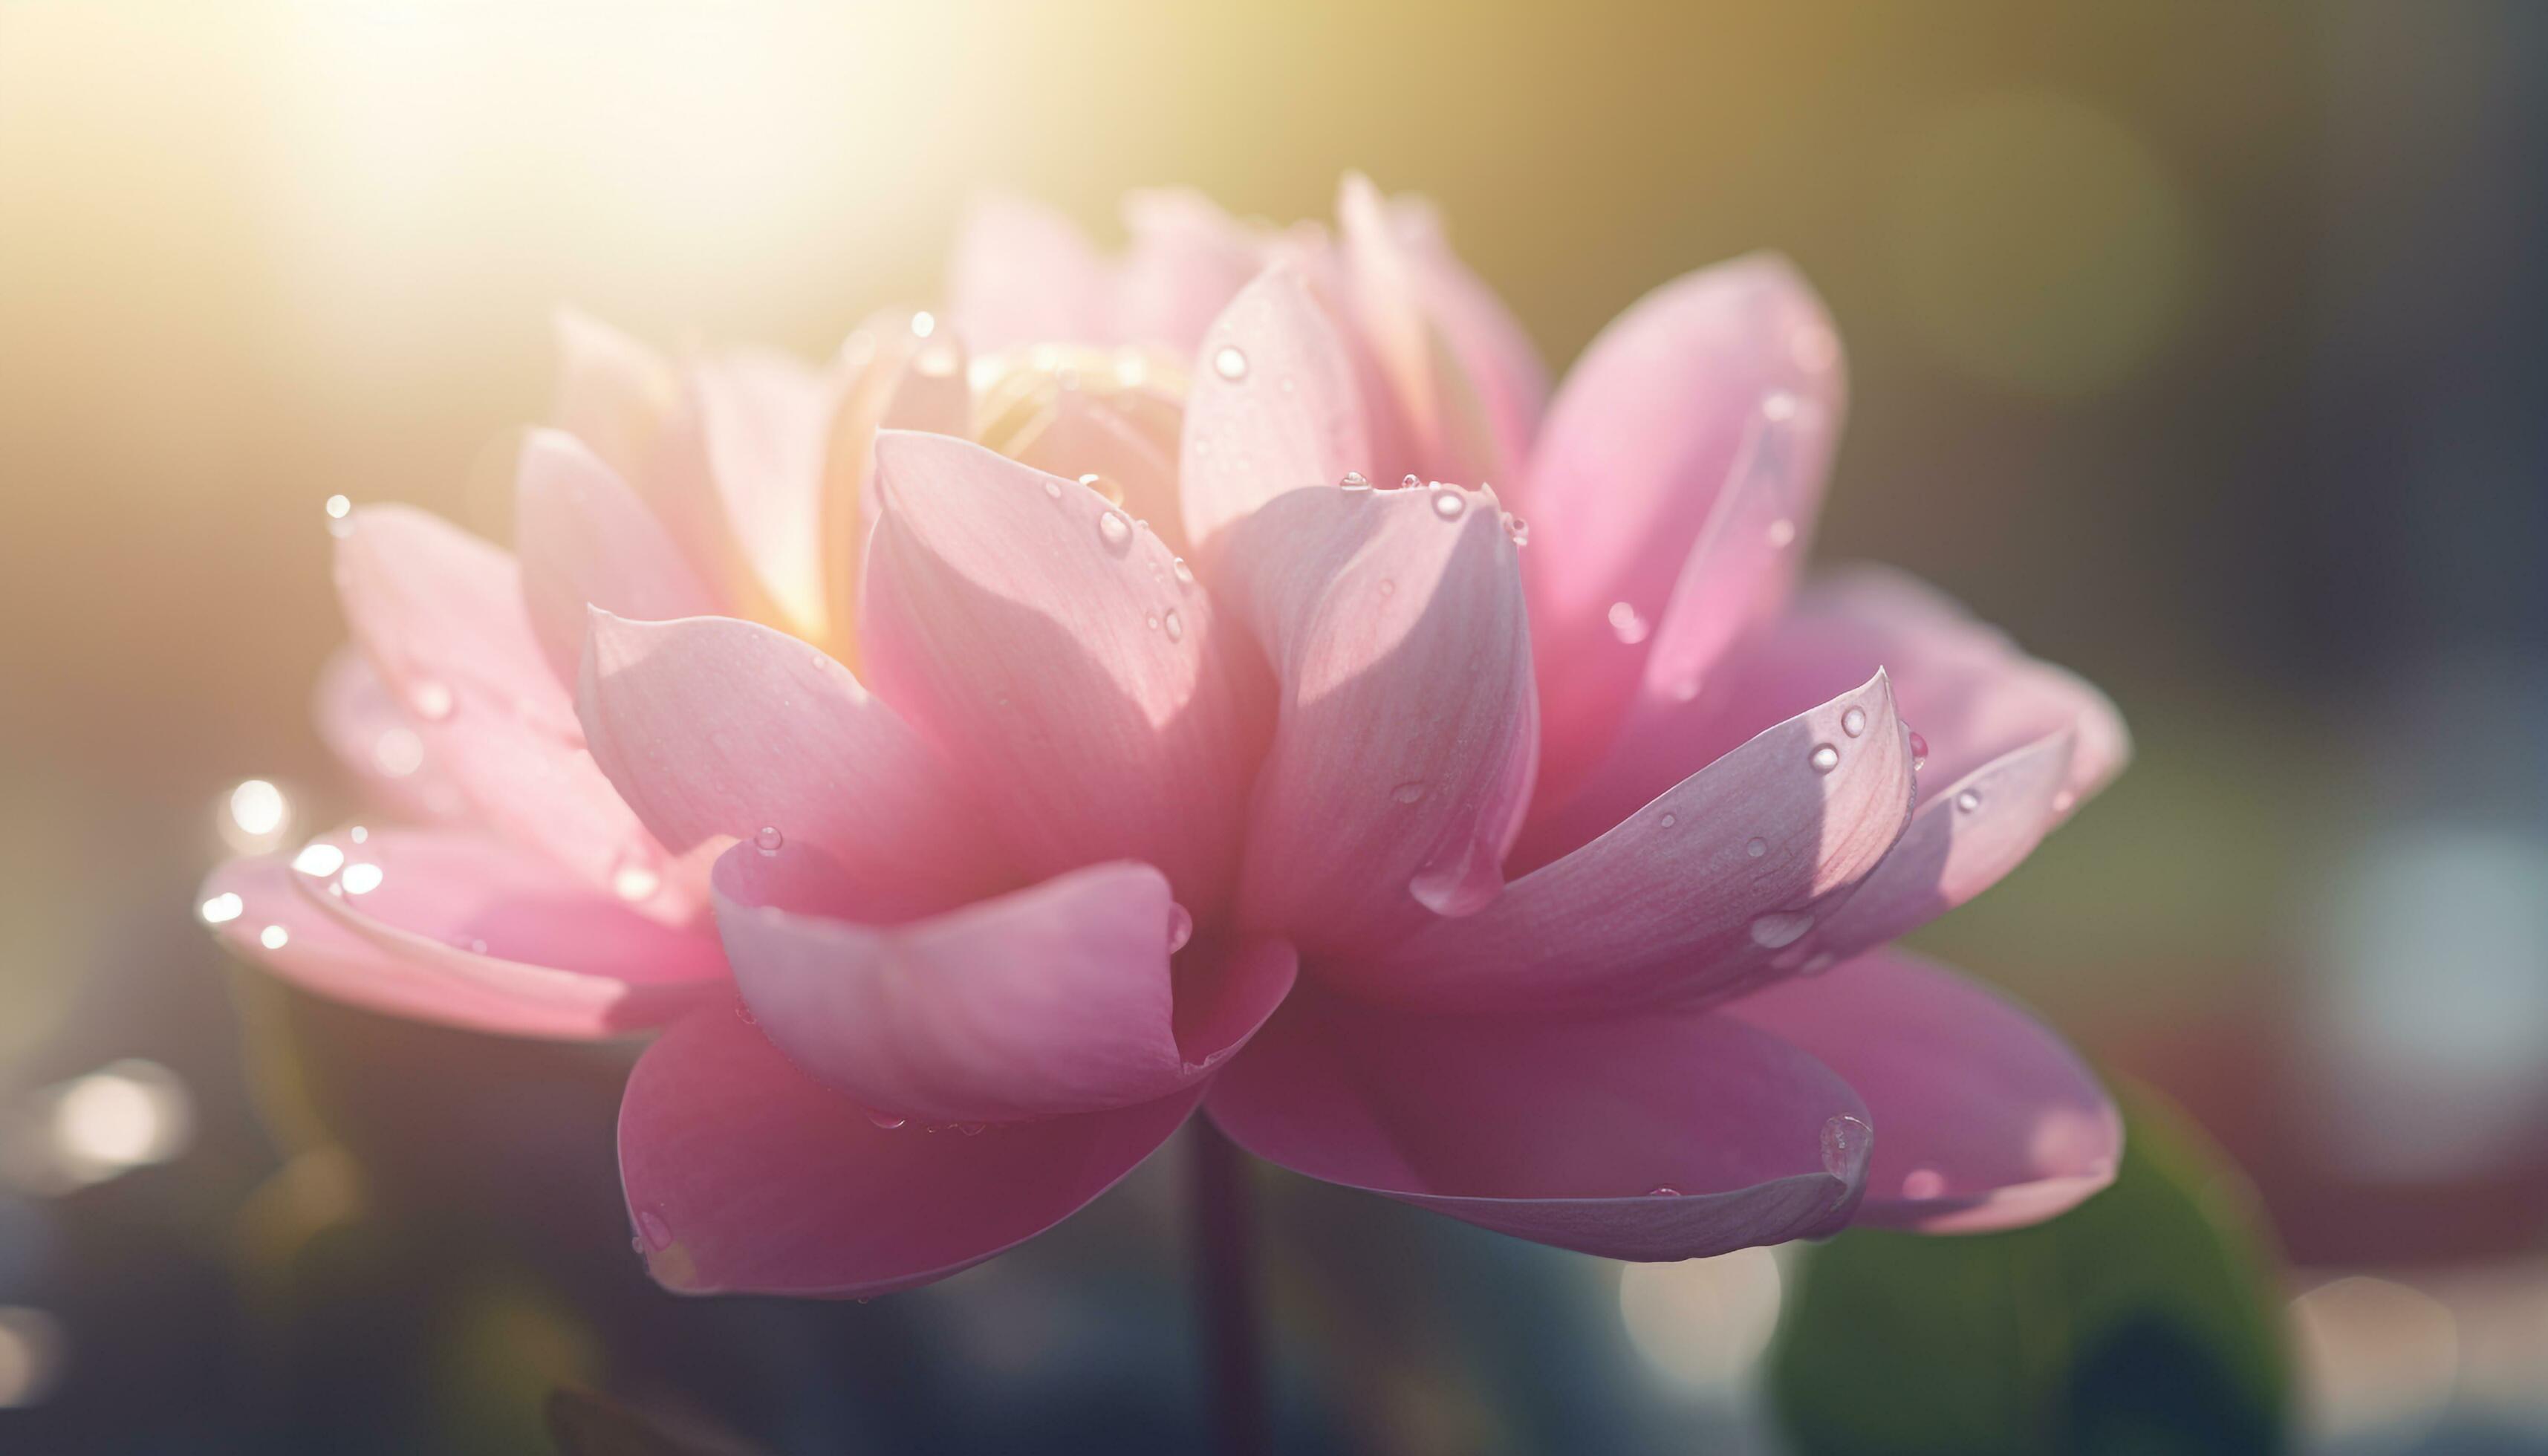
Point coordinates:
[[255, 816], [1702, 1323], [2374, 1355], [32, 1350], [126, 1115]]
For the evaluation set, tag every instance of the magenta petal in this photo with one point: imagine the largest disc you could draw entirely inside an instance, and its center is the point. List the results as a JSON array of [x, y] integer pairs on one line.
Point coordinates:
[[1662, 1136], [584, 539], [714, 726], [362, 722], [1024, 274], [1988, 1120], [1060, 653], [744, 1175], [1407, 737], [1275, 406], [1671, 407], [1052, 1000], [1721, 882], [439, 613], [455, 927]]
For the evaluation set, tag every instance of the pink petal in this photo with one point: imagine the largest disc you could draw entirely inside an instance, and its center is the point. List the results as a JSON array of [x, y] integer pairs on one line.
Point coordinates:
[[559, 958], [439, 613], [717, 727], [1986, 1119], [1669, 408], [1053, 1000], [1719, 884], [365, 726], [1402, 756], [1492, 352], [1662, 1135], [1274, 406], [1056, 650], [765, 421], [614, 394], [1087, 437], [745, 1175], [584, 539], [892, 376], [1188, 259], [1023, 274]]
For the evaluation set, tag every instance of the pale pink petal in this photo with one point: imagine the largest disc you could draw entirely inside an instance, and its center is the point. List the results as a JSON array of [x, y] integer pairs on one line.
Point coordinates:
[[1721, 882], [1662, 1135], [1187, 260], [744, 1175], [714, 726], [584, 539], [1054, 999], [1407, 734], [765, 424], [1061, 654], [1671, 407], [1274, 406], [1024, 274], [455, 927], [1985, 1119], [363, 723], [1493, 351], [899, 369], [439, 615], [614, 394], [1087, 436]]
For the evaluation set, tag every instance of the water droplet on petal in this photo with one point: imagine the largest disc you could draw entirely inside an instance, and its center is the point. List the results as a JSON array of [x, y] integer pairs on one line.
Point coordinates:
[[1052, 488], [1922, 1184], [1460, 879], [1409, 793], [1353, 481], [1825, 758], [1449, 505], [886, 1120], [1668, 820], [768, 839], [1853, 722], [1663, 1190], [1183, 572], [743, 1013], [651, 1227], [1517, 529], [431, 699], [1817, 964], [1173, 625], [1180, 927], [1230, 362], [1115, 528], [971, 1130], [1757, 848], [1919, 751], [1408, 483], [224, 908], [1780, 928], [1151, 620], [319, 857], [1387, 587], [1967, 801], [1626, 626], [274, 938], [1845, 1141], [360, 879]]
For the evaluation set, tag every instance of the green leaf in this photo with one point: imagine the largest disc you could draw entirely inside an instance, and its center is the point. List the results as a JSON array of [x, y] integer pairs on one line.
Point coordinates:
[[2147, 1320]]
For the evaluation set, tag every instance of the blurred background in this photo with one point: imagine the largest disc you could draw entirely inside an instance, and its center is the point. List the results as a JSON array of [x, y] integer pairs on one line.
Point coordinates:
[[2203, 346]]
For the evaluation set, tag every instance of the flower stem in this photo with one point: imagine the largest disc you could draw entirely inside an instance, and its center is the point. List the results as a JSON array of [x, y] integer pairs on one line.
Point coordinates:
[[1225, 1267]]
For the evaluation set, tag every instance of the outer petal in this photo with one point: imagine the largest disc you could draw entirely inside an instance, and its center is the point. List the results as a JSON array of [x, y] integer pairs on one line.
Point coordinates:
[[1639, 446], [1053, 648], [403, 933], [584, 539], [439, 613], [717, 727], [1719, 884], [1275, 404], [1187, 261], [363, 723], [614, 394], [745, 1175], [1022, 273], [1053, 1000], [1665, 1135], [1407, 738], [1988, 1120]]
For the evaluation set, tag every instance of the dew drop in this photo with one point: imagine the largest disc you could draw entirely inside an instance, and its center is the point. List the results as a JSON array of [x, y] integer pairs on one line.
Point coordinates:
[[274, 938], [1817, 964], [1409, 793], [1354, 481], [1116, 530], [768, 840], [1853, 722], [1825, 758], [886, 1120], [224, 908], [319, 857], [1387, 587], [1408, 483], [1173, 625], [1180, 927], [1922, 1184], [1780, 928], [1183, 572], [1845, 1141], [1230, 363], [651, 1228], [1052, 488], [431, 699], [1967, 801], [1663, 1190], [743, 1013], [1626, 626], [971, 1130], [1783, 532], [1668, 820], [1757, 848], [1919, 751], [1449, 505], [360, 879], [1151, 620], [358, 834], [1518, 529]]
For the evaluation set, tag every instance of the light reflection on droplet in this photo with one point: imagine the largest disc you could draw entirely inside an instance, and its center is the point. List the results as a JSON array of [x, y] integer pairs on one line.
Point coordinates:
[[319, 857], [360, 879], [274, 938], [222, 908]]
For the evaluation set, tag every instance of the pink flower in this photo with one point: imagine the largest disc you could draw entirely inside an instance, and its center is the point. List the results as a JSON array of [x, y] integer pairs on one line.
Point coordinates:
[[1538, 874]]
